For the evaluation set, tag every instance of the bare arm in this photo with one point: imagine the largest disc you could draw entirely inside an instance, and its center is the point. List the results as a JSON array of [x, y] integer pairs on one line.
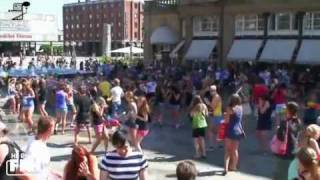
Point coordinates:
[[4, 150], [104, 175], [229, 112], [143, 118], [264, 107], [143, 174], [315, 146]]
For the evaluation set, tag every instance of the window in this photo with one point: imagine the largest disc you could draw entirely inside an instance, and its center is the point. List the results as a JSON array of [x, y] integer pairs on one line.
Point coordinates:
[[135, 24], [77, 17], [90, 16], [67, 35], [71, 17], [78, 26], [249, 23], [311, 21], [104, 16], [135, 15], [97, 16], [71, 26], [119, 24], [97, 6], [67, 18], [83, 8], [135, 35], [205, 26], [90, 35], [283, 22], [135, 5], [98, 25], [83, 34], [90, 25], [119, 14], [111, 5], [67, 26], [98, 35], [83, 26], [104, 6], [72, 36]]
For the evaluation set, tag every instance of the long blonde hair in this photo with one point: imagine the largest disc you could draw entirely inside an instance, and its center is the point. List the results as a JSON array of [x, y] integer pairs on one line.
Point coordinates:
[[308, 159], [312, 131]]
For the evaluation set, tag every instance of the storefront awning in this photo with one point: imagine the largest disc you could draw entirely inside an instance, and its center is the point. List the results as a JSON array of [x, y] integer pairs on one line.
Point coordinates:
[[244, 50], [163, 35], [278, 50], [176, 49], [309, 52], [200, 49]]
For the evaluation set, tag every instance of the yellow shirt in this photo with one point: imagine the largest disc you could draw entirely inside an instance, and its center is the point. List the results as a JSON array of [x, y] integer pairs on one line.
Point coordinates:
[[104, 87], [218, 110]]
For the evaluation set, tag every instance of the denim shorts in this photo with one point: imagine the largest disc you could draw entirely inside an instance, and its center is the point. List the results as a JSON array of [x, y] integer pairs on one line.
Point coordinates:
[[61, 110], [216, 120]]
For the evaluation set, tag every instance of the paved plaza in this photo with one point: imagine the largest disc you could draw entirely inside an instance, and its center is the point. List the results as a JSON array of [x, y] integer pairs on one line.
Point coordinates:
[[164, 148]]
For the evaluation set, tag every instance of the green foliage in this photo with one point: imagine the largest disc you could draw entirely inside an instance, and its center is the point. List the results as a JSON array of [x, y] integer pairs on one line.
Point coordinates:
[[57, 50], [104, 59]]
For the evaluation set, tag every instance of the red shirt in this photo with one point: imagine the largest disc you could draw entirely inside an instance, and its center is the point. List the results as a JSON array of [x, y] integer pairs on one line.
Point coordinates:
[[279, 96], [258, 91]]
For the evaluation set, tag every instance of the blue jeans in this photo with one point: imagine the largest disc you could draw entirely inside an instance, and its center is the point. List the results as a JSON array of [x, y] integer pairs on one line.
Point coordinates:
[[116, 109]]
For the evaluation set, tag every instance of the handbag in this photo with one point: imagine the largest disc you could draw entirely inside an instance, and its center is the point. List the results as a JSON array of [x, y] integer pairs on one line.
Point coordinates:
[[222, 131], [277, 146]]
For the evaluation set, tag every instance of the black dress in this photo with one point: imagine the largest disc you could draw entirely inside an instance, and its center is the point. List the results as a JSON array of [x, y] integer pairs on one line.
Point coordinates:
[[84, 104], [264, 120]]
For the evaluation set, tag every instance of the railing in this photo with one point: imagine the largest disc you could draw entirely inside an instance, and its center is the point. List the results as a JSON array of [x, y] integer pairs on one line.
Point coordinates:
[[161, 5]]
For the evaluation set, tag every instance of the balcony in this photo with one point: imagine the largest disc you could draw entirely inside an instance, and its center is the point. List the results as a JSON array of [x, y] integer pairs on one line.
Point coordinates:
[[157, 5]]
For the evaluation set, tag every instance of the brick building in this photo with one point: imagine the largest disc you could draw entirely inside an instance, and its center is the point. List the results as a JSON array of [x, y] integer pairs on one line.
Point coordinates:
[[84, 24], [221, 31]]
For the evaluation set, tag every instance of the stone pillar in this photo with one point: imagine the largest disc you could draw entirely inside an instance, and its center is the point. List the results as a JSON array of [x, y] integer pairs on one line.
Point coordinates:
[[228, 36]]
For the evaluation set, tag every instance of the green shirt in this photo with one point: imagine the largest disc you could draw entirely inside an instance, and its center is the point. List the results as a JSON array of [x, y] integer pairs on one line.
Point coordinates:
[[199, 121]]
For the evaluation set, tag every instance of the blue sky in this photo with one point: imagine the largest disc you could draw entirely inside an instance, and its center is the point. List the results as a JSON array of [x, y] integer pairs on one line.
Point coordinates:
[[39, 6]]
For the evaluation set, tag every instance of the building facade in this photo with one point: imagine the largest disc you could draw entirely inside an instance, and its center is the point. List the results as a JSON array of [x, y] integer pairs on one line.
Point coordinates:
[[221, 31], [84, 25]]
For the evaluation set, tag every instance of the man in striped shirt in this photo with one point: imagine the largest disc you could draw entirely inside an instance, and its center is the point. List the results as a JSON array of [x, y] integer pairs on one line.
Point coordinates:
[[123, 163]]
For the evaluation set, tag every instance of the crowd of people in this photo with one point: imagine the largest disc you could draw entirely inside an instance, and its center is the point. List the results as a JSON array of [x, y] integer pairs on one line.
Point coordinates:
[[123, 102], [8, 63]]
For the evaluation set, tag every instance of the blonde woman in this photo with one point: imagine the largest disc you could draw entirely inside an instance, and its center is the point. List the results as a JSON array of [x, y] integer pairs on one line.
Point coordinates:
[[234, 133], [98, 109], [308, 164], [198, 114], [28, 96], [313, 135]]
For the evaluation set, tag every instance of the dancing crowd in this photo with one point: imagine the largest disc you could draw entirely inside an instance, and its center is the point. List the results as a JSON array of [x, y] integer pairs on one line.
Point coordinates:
[[123, 104]]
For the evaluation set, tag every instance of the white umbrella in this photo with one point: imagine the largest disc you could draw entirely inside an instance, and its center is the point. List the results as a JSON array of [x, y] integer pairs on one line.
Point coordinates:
[[128, 50]]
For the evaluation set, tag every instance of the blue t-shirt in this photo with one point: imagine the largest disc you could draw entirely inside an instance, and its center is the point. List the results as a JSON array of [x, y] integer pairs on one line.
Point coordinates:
[[61, 100], [27, 101]]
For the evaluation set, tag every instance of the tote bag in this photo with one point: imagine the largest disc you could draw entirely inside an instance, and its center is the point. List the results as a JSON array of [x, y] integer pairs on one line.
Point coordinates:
[[280, 147]]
